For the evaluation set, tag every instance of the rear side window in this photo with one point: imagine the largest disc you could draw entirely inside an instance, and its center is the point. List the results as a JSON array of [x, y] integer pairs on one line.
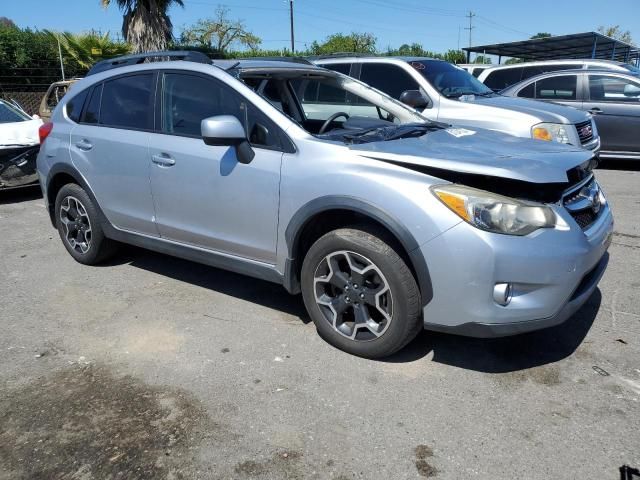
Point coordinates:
[[74, 106], [390, 79], [500, 79], [557, 88], [91, 112], [127, 102]]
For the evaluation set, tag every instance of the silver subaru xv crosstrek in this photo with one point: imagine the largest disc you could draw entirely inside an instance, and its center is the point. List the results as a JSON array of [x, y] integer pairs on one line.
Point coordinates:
[[387, 223]]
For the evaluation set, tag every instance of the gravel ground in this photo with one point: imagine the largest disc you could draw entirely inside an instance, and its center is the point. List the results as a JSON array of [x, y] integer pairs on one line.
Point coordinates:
[[154, 367]]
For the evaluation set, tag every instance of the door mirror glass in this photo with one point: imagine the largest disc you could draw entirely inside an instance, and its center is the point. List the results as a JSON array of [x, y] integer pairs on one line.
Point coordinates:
[[415, 99], [226, 130]]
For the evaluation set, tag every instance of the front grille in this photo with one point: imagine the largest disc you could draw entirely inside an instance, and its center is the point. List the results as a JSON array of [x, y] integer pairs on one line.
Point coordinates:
[[583, 203], [585, 131]]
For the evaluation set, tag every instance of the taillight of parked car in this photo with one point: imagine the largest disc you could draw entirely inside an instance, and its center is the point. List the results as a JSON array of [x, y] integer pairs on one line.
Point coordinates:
[[44, 131]]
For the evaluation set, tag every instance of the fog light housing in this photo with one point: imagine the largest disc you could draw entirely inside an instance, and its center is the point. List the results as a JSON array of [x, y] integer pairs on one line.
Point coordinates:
[[502, 293]]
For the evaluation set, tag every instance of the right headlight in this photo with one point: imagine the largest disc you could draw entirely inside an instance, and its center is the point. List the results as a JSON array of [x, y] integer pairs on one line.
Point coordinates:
[[494, 213], [555, 132]]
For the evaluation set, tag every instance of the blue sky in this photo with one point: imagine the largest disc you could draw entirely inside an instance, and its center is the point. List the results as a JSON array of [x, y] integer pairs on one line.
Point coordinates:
[[438, 26]]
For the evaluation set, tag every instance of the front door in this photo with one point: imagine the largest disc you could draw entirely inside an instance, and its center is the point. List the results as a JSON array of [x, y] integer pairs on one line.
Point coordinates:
[[615, 104], [203, 196]]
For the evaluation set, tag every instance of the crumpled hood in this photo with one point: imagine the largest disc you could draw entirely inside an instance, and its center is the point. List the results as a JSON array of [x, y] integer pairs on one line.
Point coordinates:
[[20, 133], [481, 152], [545, 111]]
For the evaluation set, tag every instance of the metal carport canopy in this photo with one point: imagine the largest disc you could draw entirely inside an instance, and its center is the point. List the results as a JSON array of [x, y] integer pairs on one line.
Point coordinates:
[[578, 45]]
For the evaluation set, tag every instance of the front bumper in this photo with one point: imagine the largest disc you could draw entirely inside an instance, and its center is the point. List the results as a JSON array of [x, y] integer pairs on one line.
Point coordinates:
[[18, 166], [553, 273]]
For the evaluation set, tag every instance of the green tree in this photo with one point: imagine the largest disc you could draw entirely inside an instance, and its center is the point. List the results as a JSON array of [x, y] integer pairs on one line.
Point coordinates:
[[339, 42], [146, 24], [7, 22], [87, 48], [482, 59], [511, 61], [219, 33], [616, 32], [541, 35], [454, 56]]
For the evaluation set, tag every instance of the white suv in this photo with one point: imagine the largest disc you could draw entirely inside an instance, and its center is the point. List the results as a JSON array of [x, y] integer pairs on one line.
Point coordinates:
[[447, 93]]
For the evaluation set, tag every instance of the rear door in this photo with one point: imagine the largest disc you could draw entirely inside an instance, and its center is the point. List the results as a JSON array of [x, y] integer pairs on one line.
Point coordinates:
[[203, 196], [615, 103], [110, 146]]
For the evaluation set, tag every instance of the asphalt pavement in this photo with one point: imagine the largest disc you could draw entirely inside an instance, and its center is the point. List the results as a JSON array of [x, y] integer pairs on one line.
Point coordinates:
[[155, 367]]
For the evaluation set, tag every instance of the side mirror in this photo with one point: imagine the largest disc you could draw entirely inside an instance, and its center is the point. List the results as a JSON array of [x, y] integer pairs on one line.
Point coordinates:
[[415, 99], [227, 131]]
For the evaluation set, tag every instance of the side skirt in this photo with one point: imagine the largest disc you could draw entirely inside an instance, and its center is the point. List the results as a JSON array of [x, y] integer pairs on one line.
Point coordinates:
[[244, 266]]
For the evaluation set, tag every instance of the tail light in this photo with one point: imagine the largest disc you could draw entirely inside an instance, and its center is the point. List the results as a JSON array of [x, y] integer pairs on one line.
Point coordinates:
[[44, 131]]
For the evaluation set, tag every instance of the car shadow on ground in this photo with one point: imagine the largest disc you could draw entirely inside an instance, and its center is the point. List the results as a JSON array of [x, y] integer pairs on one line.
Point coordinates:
[[253, 290], [505, 354], [22, 194], [496, 355]]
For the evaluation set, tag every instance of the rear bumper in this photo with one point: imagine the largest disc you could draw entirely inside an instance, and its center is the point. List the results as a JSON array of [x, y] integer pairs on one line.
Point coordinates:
[[552, 273]]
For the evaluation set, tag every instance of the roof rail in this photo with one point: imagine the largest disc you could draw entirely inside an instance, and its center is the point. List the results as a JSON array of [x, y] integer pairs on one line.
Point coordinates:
[[301, 60], [137, 58], [343, 54]]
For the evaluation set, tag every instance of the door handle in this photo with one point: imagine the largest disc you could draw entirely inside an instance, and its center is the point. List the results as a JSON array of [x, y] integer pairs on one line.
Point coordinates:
[[163, 159], [84, 145], [595, 111]]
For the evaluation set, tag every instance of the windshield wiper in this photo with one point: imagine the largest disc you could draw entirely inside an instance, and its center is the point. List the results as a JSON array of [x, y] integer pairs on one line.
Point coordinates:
[[385, 134], [477, 94]]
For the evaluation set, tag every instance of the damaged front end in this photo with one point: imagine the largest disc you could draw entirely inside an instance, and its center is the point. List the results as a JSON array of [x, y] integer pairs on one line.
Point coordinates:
[[18, 166]]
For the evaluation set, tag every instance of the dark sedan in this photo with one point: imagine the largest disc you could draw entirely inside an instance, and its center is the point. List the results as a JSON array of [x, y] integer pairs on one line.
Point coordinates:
[[612, 97]]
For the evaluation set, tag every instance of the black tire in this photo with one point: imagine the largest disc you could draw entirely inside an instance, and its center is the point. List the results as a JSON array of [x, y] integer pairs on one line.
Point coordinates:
[[406, 319], [98, 247]]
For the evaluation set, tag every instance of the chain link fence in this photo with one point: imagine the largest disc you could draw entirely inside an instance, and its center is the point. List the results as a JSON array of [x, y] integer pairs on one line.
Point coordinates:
[[29, 101]]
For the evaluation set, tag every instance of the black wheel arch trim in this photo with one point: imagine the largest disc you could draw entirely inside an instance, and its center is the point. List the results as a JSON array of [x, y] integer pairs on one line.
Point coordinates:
[[64, 168], [337, 202]]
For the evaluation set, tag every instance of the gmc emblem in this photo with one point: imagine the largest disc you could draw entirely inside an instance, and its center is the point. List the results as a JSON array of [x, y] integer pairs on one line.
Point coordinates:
[[586, 131]]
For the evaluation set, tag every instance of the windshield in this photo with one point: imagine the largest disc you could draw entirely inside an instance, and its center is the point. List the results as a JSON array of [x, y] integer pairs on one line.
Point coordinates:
[[331, 105], [10, 114], [450, 80], [632, 68]]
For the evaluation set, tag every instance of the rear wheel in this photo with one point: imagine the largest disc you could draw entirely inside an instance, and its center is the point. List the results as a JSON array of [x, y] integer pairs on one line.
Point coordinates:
[[360, 293], [78, 223]]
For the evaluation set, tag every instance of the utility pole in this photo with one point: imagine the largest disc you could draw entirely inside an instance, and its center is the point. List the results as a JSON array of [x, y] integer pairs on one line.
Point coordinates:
[[470, 28], [60, 56], [459, 37], [293, 43]]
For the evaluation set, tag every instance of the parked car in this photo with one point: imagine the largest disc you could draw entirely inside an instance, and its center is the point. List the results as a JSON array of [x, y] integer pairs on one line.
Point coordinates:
[[447, 93], [386, 222], [474, 69], [19, 146], [612, 97], [500, 77], [54, 94]]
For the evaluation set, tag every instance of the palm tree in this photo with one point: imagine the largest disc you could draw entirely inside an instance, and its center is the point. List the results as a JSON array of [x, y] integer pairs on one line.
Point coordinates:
[[145, 24]]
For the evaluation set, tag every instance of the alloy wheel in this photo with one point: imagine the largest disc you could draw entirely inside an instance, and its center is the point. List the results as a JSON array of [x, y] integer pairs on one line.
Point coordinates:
[[76, 223], [353, 295]]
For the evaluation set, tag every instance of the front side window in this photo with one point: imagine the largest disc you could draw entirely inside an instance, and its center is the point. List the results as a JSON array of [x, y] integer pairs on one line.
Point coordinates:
[[604, 88], [127, 102], [189, 99], [562, 87], [388, 78]]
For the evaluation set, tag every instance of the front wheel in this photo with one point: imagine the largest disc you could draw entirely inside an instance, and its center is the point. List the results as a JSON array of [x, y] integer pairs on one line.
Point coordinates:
[[360, 293]]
